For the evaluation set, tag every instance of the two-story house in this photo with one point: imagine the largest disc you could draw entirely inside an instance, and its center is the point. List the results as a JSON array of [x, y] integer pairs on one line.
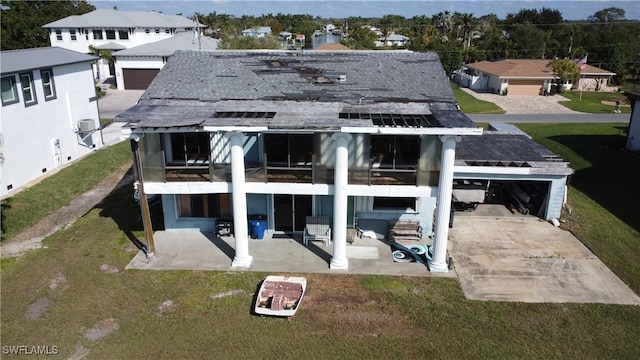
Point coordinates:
[[49, 113], [114, 30], [351, 135]]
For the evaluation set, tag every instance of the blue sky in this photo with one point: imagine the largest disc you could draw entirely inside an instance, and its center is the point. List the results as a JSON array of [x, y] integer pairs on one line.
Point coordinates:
[[570, 9]]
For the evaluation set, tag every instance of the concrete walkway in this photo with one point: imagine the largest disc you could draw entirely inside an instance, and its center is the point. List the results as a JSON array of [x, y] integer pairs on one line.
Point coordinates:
[[524, 104]]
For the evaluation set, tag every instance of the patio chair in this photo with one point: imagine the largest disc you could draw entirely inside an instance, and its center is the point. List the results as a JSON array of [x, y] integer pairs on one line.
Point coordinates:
[[318, 228]]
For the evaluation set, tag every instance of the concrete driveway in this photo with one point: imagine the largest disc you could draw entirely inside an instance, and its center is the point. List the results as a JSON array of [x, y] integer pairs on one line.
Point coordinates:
[[525, 104], [529, 260]]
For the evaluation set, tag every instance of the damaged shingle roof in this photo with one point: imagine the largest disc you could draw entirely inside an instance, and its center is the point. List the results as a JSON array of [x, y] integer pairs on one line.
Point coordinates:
[[305, 90], [351, 76]]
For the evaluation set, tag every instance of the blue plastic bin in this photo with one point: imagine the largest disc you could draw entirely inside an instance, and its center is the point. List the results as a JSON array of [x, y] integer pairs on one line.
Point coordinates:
[[259, 227]]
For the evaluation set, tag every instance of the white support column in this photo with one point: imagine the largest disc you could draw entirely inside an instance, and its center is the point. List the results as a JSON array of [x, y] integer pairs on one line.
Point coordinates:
[[443, 205], [239, 198], [339, 260]]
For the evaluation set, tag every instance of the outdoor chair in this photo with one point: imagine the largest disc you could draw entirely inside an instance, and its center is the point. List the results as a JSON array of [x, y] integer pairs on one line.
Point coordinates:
[[318, 228]]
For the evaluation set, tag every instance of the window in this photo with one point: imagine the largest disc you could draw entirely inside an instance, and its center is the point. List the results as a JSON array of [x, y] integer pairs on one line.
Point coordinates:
[[28, 92], [72, 33], [123, 34], [286, 150], [394, 203], [395, 152], [167, 31], [204, 205], [111, 34], [146, 31], [47, 84], [9, 90], [86, 34], [157, 31], [59, 35], [97, 34], [191, 148]]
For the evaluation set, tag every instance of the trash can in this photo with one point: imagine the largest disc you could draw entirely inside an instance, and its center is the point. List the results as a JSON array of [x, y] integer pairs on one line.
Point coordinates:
[[259, 226]]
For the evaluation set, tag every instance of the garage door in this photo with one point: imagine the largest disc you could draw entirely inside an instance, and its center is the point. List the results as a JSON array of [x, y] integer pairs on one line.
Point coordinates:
[[525, 87], [138, 79]]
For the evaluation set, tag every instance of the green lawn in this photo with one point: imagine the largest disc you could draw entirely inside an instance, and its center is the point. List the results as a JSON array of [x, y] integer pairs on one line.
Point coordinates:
[[342, 316], [592, 102], [29, 206], [470, 105]]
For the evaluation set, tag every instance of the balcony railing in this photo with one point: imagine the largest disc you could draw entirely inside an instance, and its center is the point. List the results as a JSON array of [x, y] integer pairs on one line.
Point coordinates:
[[299, 172]]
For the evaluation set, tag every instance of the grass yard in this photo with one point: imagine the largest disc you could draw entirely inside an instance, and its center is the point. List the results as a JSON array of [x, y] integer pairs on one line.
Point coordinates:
[[75, 294], [595, 102], [29, 206], [470, 105]]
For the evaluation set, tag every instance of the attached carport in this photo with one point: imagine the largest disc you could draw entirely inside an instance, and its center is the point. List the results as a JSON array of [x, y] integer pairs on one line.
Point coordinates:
[[514, 170]]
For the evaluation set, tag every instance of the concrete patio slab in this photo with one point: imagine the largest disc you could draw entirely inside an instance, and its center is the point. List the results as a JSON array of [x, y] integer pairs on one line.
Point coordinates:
[[192, 250], [529, 260]]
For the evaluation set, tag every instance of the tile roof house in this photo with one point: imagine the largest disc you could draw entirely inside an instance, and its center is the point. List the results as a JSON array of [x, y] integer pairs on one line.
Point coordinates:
[[226, 135], [526, 77], [107, 29], [49, 113], [136, 67]]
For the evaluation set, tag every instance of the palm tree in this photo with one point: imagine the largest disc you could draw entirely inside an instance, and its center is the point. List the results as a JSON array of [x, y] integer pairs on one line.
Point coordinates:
[[563, 69]]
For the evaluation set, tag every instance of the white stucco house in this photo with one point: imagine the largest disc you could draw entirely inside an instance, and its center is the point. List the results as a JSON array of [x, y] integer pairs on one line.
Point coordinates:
[[136, 67], [49, 113], [114, 30], [392, 39], [633, 132]]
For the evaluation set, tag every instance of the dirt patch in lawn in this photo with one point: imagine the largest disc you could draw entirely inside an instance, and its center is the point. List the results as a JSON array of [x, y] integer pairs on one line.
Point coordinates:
[[38, 308], [102, 329]]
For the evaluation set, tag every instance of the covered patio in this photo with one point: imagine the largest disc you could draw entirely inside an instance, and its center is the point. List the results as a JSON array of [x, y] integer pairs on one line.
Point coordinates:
[[275, 253]]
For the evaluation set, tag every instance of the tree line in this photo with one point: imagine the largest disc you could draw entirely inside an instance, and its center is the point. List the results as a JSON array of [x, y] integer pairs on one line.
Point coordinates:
[[609, 39]]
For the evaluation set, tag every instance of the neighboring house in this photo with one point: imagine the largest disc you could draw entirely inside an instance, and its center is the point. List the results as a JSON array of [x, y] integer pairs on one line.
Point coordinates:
[[285, 36], [107, 29], [257, 32], [136, 67], [328, 28], [49, 113], [525, 77], [633, 131], [286, 135], [392, 40]]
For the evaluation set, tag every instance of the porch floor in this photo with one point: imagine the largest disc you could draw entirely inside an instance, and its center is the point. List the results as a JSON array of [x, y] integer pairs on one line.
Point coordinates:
[[193, 250]]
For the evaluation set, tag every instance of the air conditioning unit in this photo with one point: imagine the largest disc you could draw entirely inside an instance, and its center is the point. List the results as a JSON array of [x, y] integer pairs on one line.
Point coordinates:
[[86, 125]]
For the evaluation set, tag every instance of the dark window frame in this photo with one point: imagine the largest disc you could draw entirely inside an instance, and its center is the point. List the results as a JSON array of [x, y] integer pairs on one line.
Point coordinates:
[[51, 84], [31, 88], [395, 203], [99, 33], [58, 35], [14, 89], [123, 34], [110, 34], [204, 206]]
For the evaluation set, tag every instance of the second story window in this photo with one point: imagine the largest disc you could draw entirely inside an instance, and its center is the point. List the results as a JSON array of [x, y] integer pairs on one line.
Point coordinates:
[[97, 34], [167, 31], [59, 35], [111, 34], [86, 34], [72, 33], [147, 31], [123, 34], [28, 92], [157, 31], [9, 90], [48, 86]]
